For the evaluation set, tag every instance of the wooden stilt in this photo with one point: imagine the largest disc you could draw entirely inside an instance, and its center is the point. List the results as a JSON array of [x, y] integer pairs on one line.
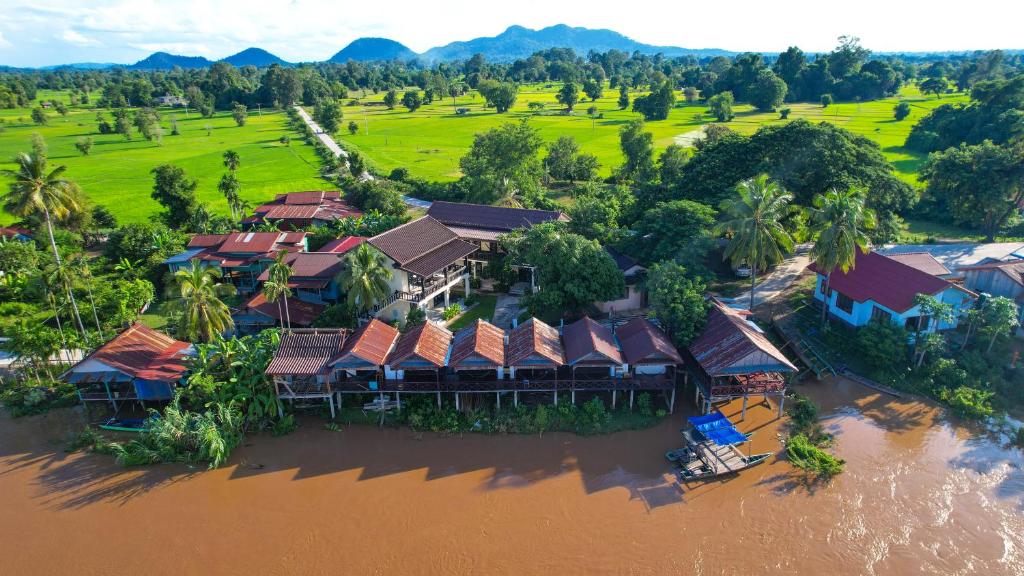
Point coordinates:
[[456, 401], [515, 399], [398, 401], [572, 396], [280, 409], [613, 399], [110, 396], [631, 393], [330, 400], [438, 399], [497, 396], [672, 402], [743, 416], [556, 397]]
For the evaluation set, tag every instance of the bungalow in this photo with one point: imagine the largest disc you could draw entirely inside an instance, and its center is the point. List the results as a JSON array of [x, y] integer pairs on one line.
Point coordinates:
[[296, 210], [881, 288], [241, 256], [647, 350], [998, 279], [482, 224], [478, 353], [314, 276], [732, 358], [535, 352], [301, 366], [360, 366], [591, 351], [257, 314], [634, 297], [138, 364], [426, 261], [419, 355]]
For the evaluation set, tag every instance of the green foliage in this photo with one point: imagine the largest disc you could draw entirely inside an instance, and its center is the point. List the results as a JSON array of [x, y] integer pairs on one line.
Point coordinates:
[[503, 164], [657, 104], [883, 345], [22, 397], [412, 100], [499, 95], [767, 92], [176, 192], [568, 96], [380, 195], [364, 277], [826, 100], [328, 114], [993, 113], [415, 317], [802, 453], [451, 311], [968, 402], [720, 105], [643, 404], [638, 149], [680, 230], [901, 111], [339, 315], [240, 114], [677, 300]]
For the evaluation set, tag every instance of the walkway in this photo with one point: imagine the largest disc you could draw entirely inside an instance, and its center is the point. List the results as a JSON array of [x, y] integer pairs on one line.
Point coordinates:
[[339, 151], [778, 280], [506, 309]]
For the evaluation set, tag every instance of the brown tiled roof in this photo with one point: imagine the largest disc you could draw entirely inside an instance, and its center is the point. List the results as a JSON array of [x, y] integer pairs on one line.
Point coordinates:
[[642, 342], [482, 341], [310, 265], [923, 261], [301, 313], [307, 352], [534, 337], [587, 341], [143, 353], [422, 246], [428, 342], [729, 345], [489, 217], [371, 343]]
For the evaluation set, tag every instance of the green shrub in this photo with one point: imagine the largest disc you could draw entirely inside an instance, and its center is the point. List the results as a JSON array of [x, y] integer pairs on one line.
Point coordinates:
[[968, 402], [883, 345], [803, 454], [643, 404], [452, 311], [593, 418], [541, 419], [25, 398]]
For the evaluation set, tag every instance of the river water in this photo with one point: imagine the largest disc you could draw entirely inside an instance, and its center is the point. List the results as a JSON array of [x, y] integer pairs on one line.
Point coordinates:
[[920, 495]]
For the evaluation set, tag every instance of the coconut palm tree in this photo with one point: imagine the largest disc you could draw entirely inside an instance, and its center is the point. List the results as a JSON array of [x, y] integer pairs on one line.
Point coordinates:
[[510, 196], [755, 223], [274, 291], [60, 274], [36, 191], [81, 265], [204, 316], [365, 277], [279, 273], [840, 219]]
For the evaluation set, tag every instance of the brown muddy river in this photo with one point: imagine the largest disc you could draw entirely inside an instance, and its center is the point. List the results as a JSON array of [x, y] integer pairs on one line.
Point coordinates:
[[920, 496]]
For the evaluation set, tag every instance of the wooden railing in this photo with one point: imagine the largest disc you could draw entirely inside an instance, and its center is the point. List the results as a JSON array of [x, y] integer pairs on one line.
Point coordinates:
[[640, 382]]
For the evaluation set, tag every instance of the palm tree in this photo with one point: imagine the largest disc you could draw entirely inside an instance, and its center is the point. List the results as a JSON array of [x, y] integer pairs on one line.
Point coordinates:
[[231, 160], [755, 222], [81, 265], [840, 219], [365, 277], [279, 273], [273, 291], [229, 187], [510, 196], [35, 191], [267, 225], [204, 316], [59, 274]]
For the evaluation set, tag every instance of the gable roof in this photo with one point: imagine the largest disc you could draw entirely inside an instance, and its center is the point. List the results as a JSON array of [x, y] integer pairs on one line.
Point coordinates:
[[729, 345], [300, 312], [1014, 269], [535, 339], [310, 265], [888, 282], [342, 245], [310, 197], [489, 217], [371, 343], [623, 261], [422, 246], [642, 341], [142, 353], [479, 346], [307, 352], [587, 340], [427, 342], [923, 261]]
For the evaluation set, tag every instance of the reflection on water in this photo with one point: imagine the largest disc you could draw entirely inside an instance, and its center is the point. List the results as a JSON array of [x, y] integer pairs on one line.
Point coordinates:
[[920, 496]]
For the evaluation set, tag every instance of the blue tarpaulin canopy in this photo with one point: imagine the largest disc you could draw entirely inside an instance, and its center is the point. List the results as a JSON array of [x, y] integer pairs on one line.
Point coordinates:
[[717, 428], [154, 390]]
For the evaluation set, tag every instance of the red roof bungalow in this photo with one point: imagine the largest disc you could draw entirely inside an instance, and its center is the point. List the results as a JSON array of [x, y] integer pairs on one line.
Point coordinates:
[[297, 210], [478, 352], [15, 233], [138, 364], [362, 359], [881, 288], [258, 314], [419, 355], [342, 245], [314, 276], [241, 256], [591, 350], [534, 351]]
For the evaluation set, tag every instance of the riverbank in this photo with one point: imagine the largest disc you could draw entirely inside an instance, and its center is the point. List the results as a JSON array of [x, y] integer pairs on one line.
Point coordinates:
[[920, 495]]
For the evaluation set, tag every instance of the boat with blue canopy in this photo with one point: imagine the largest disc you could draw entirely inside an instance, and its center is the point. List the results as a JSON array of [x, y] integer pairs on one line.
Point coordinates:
[[712, 449]]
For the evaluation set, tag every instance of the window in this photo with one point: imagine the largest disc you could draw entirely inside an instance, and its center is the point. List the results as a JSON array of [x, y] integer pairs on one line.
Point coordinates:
[[844, 302], [879, 315], [911, 323]]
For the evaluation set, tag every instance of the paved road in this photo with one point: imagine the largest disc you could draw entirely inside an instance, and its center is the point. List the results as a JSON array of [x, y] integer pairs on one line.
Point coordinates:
[[339, 151], [778, 280]]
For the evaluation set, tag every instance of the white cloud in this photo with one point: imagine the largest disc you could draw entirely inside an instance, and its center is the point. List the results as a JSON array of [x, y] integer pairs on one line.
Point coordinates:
[[37, 32]]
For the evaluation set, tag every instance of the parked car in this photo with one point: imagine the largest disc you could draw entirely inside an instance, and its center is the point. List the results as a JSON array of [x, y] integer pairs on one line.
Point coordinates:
[[743, 271]]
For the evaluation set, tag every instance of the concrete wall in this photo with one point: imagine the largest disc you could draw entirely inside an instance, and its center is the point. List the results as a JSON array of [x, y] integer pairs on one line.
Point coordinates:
[[861, 312]]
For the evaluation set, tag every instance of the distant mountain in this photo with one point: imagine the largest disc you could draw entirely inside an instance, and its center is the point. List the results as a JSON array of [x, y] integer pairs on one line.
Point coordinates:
[[366, 49], [257, 57], [165, 61], [519, 42], [82, 66]]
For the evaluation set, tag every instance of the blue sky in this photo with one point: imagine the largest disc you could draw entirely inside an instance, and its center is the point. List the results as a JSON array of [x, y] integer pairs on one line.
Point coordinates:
[[44, 32]]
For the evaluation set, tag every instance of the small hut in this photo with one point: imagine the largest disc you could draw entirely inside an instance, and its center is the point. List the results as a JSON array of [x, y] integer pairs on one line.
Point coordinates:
[[478, 353], [301, 366], [534, 352], [651, 358], [361, 363], [732, 358], [591, 351], [420, 355], [139, 364]]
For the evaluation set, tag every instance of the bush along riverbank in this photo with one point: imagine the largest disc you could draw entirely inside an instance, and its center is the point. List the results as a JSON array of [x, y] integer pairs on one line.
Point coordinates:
[[807, 444]]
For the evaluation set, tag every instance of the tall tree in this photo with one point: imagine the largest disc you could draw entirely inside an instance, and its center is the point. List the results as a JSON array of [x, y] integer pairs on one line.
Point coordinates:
[[365, 277], [231, 160], [638, 149], [503, 163], [204, 316], [568, 95], [840, 221], [677, 300], [754, 224], [229, 187], [35, 190], [279, 273], [176, 192]]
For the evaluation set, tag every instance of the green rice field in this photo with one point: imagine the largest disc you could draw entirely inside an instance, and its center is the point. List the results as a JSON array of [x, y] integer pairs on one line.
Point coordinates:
[[430, 141], [116, 174]]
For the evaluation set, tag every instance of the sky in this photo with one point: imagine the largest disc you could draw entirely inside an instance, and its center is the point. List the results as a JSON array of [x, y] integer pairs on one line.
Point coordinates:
[[47, 32]]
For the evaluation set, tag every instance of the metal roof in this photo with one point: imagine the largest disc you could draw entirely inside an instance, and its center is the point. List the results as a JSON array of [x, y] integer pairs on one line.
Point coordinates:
[[427, 342], [307, 352], [643, 342], [730, 345], [141, 352], [300, 312], [371, 343], [588, 342], [481, 345], [489, 217], [923, 261], [535, 339]]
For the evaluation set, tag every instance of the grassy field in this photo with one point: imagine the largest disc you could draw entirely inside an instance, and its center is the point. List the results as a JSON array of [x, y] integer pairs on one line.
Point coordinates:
[[430, 141], [116, 173]]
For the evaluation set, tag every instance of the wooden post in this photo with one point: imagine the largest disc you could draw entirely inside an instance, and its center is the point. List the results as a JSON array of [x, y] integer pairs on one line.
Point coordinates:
[[556, 396], [631, 392], [398, 401], [439, 399], [572, 395], [497, 395], [672, 402], [613, 399], [330, 400], [110, 396], [744, 414], [515, 398], [456, 401]]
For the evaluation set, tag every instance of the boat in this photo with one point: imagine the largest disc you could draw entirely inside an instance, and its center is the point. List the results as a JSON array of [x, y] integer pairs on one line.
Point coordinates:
[[126, 424], [711, 449]]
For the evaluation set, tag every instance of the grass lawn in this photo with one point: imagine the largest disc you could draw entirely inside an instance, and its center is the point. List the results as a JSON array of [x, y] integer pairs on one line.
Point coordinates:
[[430, 141], [484, 309], [117, 175], [156, 315]]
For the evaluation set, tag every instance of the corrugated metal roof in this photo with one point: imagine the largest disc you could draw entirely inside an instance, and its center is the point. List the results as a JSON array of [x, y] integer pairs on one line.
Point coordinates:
[[307, 352], [489, 217], [642, 341], [143, 353], [371, 343], [342, 245], [289, 211], [729, 345], [300, 312], [535, 338], [428, 342], [312, 197], [587, 341], [923, 261], [482, 341]]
